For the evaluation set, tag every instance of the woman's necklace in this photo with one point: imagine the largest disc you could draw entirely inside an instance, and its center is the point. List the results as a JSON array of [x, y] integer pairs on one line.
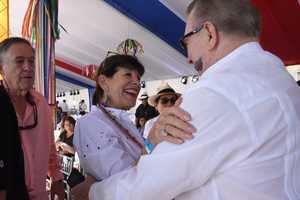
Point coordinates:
[[123, 129]]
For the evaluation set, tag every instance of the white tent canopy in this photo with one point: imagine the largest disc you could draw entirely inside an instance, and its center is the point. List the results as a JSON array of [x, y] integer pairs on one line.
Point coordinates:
[[94, 27]]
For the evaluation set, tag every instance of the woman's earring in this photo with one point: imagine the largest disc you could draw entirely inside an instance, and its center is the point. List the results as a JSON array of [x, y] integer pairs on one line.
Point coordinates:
[[104, 99]]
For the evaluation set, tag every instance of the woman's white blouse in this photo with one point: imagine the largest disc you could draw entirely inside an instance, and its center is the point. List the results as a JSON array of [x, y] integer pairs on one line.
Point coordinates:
[[103, 149]]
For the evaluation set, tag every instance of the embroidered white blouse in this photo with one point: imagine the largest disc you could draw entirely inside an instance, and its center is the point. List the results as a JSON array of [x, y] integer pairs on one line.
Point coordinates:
[[103, 149]]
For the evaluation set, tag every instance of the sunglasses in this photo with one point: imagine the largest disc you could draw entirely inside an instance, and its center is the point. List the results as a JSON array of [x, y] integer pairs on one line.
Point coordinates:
[[165, 100], [182, 40], [35, 119]]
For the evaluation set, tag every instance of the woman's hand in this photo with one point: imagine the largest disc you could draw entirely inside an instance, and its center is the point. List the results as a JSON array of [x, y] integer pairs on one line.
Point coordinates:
[[173, 125], [58, 145], [65, 148], [81, 191]]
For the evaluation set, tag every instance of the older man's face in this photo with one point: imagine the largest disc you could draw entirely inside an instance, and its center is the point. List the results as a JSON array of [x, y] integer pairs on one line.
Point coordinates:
[[18, 67], [194, 43]]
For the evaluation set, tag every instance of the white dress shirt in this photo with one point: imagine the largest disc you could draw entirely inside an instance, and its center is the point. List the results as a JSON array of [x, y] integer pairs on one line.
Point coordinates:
[[246, 109], [102, 148], [149, 124], [64, 107]]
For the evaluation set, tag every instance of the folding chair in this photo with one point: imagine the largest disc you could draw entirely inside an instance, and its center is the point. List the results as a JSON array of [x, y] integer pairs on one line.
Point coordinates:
[[66, 169]]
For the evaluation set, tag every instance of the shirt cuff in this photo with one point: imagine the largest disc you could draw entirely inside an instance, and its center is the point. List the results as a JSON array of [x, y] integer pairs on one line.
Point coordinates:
[[148, 145]]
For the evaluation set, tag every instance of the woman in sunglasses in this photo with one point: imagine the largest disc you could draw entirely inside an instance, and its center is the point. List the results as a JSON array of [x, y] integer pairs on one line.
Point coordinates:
[[165, 98]]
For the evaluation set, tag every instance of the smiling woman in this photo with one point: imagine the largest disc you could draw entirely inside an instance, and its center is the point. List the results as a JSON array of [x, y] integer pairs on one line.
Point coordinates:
[[106, 140]]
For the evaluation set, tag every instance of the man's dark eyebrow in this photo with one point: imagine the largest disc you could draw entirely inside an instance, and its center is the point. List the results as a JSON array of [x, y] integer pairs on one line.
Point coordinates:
[[22, 57]]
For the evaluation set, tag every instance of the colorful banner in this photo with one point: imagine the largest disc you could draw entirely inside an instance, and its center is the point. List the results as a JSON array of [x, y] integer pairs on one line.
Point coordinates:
[[40, 25]]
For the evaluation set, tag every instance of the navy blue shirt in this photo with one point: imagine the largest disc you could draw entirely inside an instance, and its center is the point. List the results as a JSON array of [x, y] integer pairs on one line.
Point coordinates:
[[12, 177]]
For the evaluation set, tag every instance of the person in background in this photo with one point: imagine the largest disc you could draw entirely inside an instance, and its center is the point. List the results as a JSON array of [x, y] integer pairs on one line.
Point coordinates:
[[140, 124], [12, 177], [246, 111], [105, 139], [82, 107], [65, 108], [64, 144], [59, 114], [144, 109], [17, 67], [165, 97]]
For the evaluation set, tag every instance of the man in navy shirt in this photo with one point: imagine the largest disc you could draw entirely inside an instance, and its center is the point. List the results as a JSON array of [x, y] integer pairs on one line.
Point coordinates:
[[12, 177]]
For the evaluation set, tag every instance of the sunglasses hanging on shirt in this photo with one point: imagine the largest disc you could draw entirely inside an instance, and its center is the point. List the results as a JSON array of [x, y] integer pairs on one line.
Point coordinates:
[[35, 114]]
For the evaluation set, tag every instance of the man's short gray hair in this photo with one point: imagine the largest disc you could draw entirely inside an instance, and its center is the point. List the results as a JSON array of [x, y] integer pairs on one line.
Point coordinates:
[[238, 17], [8, 42]]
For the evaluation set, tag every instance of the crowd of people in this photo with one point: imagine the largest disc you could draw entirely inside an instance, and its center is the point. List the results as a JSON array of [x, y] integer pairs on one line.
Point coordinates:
[[232, 135]]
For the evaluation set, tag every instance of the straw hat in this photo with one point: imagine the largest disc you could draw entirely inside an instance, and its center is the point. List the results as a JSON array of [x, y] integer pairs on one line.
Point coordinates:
[[143, 96], [163, 89]]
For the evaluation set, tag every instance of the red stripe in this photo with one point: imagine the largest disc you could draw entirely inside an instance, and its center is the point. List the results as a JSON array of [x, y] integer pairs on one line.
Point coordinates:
[[68, 67]]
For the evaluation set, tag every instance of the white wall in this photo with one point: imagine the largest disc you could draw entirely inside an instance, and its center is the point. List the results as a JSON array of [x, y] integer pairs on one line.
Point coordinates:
[[294, 70], [73, 100]]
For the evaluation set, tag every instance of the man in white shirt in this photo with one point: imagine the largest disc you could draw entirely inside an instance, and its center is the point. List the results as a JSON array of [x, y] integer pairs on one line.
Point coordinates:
[[64, 106], [246, 109]]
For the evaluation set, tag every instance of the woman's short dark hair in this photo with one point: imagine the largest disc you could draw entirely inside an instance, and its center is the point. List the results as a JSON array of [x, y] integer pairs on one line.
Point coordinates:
[[110, 66], [69, 119]]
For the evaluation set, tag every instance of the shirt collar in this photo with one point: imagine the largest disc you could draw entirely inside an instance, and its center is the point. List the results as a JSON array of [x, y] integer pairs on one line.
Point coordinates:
[[221, 64], [118, 113]]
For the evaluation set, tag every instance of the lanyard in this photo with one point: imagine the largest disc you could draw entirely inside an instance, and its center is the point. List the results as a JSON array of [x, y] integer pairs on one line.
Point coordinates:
[[123, 130]]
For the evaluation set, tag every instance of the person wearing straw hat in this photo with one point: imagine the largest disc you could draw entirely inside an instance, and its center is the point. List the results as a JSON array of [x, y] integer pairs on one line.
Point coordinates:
[[145, 109], [165, 97], [144, 112]]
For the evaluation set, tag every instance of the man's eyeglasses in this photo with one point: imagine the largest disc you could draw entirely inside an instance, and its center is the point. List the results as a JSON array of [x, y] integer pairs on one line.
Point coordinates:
[[35, 119], [165, 100], [189, 34]]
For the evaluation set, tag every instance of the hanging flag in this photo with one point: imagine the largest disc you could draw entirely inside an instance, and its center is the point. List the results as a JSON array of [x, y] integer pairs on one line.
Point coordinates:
[[40, 26], [4, 23]]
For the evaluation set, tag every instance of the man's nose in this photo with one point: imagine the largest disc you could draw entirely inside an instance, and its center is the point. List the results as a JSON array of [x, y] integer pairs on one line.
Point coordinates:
[[189, 57], [28, 65]]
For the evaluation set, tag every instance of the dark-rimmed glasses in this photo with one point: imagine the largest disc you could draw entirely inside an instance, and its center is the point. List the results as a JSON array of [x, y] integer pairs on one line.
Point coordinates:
[[35, 118], [182, 40], [165, 100]]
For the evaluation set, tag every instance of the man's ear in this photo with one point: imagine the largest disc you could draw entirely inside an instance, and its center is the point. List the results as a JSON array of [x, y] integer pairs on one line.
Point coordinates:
[[212, 35]]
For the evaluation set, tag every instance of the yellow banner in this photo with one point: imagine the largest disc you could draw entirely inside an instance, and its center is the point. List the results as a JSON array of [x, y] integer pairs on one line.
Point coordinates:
[[4, 19]]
